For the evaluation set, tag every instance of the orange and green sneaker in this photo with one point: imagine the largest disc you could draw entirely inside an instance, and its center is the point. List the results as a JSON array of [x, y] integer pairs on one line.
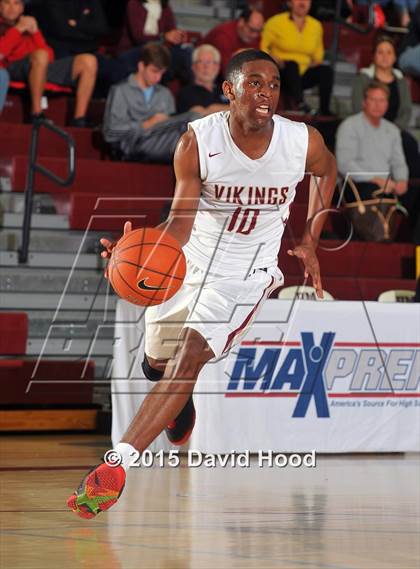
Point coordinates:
[[99, 490]]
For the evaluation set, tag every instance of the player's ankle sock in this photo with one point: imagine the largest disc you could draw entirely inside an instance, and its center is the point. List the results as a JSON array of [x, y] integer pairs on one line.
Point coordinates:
[[128, 454], [151, 373]]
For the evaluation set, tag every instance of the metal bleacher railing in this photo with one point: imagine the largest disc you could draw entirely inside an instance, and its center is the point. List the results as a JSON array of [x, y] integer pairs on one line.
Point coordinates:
[[34, 167]]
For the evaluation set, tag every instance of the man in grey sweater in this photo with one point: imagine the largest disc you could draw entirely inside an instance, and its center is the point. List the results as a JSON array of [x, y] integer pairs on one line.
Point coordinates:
[[369, 148], [138, 121]]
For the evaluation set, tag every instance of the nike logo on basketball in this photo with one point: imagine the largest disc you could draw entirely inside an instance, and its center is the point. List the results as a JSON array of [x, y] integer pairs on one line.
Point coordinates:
[[142, 284], [215, 154]]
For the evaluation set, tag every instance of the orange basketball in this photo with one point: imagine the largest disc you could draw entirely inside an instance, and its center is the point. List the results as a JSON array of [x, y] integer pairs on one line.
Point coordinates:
[[147, 267]]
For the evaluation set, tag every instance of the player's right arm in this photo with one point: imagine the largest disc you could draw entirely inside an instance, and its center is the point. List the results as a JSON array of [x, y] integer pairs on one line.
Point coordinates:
[[187, 189], [187, 194]]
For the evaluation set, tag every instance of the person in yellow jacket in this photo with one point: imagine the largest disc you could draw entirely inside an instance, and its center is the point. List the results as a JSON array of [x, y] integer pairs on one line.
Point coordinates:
[[294, 40]]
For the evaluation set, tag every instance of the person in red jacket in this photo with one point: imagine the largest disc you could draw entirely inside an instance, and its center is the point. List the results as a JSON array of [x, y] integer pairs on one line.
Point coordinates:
[[232, 36], [27, 57]]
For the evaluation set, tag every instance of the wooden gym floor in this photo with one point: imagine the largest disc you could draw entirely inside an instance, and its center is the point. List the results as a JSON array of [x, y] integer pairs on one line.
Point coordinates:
[[349, 512]]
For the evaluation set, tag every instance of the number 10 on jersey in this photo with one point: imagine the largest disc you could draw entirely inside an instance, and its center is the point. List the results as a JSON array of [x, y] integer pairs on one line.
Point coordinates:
[[243, 220]]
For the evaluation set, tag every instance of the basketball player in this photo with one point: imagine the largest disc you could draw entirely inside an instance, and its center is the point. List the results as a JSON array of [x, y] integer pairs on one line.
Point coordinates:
[[236, 174]]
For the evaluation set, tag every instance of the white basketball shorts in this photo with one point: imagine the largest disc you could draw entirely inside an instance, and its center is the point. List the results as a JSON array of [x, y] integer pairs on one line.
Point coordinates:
[[220, 308]]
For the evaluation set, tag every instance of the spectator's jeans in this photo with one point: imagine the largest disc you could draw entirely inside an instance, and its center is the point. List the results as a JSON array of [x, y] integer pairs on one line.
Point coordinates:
[[292, 83], [4, 85], [410, 60], [157, 144]]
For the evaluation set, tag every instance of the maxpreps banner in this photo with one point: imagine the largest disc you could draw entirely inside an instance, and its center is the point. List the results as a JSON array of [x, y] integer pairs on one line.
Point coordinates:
[[331, 376]]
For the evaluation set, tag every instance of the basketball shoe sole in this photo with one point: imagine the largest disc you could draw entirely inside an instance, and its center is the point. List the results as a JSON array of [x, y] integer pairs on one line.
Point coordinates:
[[98, 491]]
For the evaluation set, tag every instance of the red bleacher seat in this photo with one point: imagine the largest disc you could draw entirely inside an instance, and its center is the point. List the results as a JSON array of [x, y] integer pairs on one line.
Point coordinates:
[[15, 139], [16, 110], [297, 221], [51, 87], [13, 110], [355, 47], [52, 382], [99, 177], [356, 259], [13, 333], [109, 214], [60, 109]]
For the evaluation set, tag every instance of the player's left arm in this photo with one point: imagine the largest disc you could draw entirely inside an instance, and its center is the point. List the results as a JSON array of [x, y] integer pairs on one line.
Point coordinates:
[[321, 164]]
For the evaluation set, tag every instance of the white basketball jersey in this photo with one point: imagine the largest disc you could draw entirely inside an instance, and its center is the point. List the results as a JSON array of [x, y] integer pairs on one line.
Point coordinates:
[[244, 203]]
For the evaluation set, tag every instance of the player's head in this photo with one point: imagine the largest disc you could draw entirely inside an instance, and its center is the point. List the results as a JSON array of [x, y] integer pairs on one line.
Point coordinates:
[[375, 100], [252, 86], [154, 61], [11, 10]]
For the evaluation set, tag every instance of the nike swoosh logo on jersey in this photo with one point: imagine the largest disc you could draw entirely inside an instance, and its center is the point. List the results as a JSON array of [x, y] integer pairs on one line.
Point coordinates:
[[142, 284], [215, 154]]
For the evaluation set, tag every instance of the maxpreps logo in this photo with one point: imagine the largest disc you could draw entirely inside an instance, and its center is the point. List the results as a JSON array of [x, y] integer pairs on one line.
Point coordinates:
[[330, 370]]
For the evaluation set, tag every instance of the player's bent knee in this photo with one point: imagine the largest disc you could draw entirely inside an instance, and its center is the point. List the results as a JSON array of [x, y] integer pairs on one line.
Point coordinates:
[[151, 369], [193, 353]]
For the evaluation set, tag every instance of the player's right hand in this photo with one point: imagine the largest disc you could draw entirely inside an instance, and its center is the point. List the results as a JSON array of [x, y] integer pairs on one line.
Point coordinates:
[[109, 245]]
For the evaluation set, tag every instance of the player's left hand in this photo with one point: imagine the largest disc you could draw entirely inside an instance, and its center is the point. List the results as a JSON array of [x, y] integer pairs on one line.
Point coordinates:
[[310, 260], [109, 245]]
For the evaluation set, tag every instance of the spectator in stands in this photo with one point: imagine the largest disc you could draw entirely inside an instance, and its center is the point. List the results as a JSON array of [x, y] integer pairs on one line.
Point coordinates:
[[204, 95], [137, 119], [369, 149], [72, 26], [152, 21], [294, 40], [4, 86], [235, 35], [27, 57], [409, 59], [399, 104]]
